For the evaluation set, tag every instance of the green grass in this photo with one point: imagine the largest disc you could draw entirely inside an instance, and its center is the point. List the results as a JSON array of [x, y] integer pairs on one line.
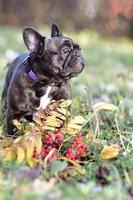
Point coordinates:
[[108, 76]]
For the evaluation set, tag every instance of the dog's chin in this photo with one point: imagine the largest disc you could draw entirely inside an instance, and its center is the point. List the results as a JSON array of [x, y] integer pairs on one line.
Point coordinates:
[[72, 73]]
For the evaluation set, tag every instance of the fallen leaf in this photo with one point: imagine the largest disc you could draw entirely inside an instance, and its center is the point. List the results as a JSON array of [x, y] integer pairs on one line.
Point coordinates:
[[110, 151]]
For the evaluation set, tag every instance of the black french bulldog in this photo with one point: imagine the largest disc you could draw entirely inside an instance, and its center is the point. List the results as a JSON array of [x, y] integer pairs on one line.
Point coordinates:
[[42, 75]]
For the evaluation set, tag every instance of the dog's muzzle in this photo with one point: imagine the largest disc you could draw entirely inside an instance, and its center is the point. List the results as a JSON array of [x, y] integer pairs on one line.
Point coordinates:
[[73, 65]]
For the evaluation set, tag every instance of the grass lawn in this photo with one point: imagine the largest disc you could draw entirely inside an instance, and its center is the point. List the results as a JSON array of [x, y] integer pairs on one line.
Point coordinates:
[[107, 77]]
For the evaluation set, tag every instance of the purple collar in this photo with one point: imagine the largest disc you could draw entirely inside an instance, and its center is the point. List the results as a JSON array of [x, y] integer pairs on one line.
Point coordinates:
[[32, 75]]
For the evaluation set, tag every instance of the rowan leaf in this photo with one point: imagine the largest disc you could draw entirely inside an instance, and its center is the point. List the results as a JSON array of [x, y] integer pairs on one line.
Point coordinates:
[[32, 162], [63, 111], [20, 154], [9, 155], [29, 149], [110, 151], [73, 126], [68, 131], [79, 120], [19, 139], [77, 167], [53, 123], [38, 143], [76, 122], [53, 105], [32, 139], [65, 103], [57, 114], [49, 128], [7, 142]]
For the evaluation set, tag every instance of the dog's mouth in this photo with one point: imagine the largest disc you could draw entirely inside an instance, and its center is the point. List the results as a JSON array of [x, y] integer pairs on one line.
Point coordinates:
[[72, 74], [72, 67]]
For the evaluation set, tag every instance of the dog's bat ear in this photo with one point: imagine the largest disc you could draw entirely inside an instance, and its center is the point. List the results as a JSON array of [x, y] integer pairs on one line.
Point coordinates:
[[55, 31], [34, 41]]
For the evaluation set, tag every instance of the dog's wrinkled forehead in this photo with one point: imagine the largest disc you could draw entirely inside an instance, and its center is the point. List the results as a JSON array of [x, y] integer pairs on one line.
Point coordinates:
[[37, 43], [56, 42]]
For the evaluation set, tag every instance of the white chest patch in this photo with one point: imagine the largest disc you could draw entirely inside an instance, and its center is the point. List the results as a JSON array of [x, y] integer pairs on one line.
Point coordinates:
[[45, 100]]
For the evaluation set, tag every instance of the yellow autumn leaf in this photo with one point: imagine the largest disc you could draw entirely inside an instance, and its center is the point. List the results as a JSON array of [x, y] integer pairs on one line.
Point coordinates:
[[79, 120], [68, 131], [74, 126], [104, 106], [9, 155], [49, 128], [110, 151], [53, 119], [53, 105], [38, 143], [32, 139], [77, 167], [75, 122], [7, 142], [59, 115], [53, 124], [65, 103], [63, 111], [32, 162], [18, 139], [29, 149], [20, 154]]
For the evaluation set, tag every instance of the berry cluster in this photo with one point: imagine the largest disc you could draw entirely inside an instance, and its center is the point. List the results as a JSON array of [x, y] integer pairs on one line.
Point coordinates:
[[78, 148], [50, 141]]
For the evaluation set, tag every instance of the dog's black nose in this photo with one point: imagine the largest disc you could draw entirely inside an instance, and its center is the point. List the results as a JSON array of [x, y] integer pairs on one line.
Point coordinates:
[[76, 46]]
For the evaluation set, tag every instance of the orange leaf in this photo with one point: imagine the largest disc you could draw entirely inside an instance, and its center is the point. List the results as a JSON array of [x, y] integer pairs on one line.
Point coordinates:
[[110, 151]]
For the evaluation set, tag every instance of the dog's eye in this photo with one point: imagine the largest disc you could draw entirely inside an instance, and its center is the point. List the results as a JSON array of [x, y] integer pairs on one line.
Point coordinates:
[[65, 50]]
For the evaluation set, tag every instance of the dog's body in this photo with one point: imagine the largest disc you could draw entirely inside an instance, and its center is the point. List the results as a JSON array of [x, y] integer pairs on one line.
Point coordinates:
[[34, 79]]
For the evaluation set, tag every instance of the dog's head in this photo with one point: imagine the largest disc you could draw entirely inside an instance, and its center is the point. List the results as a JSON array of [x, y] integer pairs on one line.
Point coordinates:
[[57, 56]]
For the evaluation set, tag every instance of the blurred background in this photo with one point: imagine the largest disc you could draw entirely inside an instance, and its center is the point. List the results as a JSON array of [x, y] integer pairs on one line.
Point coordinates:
[[104, 30], [106, 16]]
